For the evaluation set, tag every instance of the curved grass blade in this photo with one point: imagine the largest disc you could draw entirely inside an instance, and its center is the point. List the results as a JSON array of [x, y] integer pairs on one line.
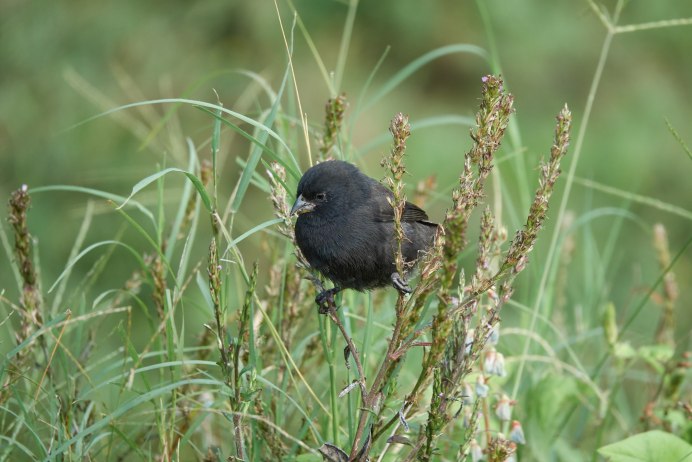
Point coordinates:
[[215, 139], [9, 253], [34, 436], [121, 410], [95, 192], [184, 199], [290, 169], [198, 84], [193, 102], [256, 152], [437, 121], [678, 138], [416, 64], [206, 200], [69, 266], [14, 443], [46, 327], [313, 49], [655, 203], [79, 241], [252, 231]]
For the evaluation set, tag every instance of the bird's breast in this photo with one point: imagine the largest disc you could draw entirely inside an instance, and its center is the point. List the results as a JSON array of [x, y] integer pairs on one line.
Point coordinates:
[[352, 253]]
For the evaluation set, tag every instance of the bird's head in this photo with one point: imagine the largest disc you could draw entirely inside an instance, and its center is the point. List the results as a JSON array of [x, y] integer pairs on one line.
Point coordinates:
[[328, 188]]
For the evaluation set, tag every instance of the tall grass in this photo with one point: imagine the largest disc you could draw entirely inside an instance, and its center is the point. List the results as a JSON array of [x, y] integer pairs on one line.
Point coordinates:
[[214, 350]]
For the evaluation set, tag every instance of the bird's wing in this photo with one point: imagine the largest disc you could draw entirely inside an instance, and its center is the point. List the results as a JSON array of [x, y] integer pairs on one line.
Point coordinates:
[[384, 211], [413, 213]]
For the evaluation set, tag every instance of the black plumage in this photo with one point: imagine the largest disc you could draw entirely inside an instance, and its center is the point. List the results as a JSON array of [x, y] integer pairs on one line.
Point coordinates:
[[345, 228]]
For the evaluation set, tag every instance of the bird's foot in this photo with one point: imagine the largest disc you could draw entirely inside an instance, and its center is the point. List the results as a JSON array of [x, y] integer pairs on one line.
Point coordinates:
[[400, 283], [325, 299]]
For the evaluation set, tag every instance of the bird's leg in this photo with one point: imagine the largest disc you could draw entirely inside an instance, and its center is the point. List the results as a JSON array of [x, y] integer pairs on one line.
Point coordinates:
[[400, 283], [325, 299]]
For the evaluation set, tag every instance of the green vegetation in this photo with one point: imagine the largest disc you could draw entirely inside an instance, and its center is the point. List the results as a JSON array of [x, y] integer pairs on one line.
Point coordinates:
[[153, 306]]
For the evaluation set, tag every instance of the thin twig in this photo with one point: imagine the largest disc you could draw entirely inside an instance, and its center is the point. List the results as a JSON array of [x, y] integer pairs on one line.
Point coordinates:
[[372, 395], [351, 346]]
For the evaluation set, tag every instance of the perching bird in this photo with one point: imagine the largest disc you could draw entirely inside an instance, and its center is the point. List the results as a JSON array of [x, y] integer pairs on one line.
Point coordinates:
[[346, 231]]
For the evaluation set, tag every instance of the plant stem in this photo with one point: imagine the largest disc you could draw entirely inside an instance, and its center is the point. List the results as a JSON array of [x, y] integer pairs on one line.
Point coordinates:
[[565, 197]]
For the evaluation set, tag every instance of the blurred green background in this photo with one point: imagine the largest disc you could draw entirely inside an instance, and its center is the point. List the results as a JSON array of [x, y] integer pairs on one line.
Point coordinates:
[[62, 62]]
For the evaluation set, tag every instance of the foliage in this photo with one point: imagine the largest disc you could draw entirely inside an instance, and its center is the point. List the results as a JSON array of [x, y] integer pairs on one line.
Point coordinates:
[[209, 345]]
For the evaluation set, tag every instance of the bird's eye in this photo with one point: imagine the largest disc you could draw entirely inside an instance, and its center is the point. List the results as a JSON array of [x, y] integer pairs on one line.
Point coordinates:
[[320, 196]]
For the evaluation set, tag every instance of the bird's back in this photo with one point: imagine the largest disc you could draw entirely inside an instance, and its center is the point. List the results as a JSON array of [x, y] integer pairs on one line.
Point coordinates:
[[349, 237]]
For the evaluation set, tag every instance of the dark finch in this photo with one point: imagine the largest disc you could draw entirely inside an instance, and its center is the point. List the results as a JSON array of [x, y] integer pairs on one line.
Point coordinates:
[[345, 228]]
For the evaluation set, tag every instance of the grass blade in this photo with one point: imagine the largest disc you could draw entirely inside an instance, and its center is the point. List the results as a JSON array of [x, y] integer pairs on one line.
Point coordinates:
[[206, 200], [417, 63]]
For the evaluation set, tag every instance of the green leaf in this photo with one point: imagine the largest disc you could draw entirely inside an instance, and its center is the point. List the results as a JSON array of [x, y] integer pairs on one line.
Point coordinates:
[[653, 446]]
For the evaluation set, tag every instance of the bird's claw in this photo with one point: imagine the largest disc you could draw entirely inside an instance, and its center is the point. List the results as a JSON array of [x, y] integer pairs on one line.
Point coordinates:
[[400, 284], [325, 299]]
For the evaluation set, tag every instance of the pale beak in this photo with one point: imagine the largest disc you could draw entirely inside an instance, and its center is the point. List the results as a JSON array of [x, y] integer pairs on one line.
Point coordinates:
[[302, 206]]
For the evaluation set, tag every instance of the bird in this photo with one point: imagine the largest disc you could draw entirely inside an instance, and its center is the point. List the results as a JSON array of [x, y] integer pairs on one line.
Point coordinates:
[[345, 229]]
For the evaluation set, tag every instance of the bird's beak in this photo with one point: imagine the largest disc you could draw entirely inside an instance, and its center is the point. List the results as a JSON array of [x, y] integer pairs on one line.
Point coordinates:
[[302, 206]]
